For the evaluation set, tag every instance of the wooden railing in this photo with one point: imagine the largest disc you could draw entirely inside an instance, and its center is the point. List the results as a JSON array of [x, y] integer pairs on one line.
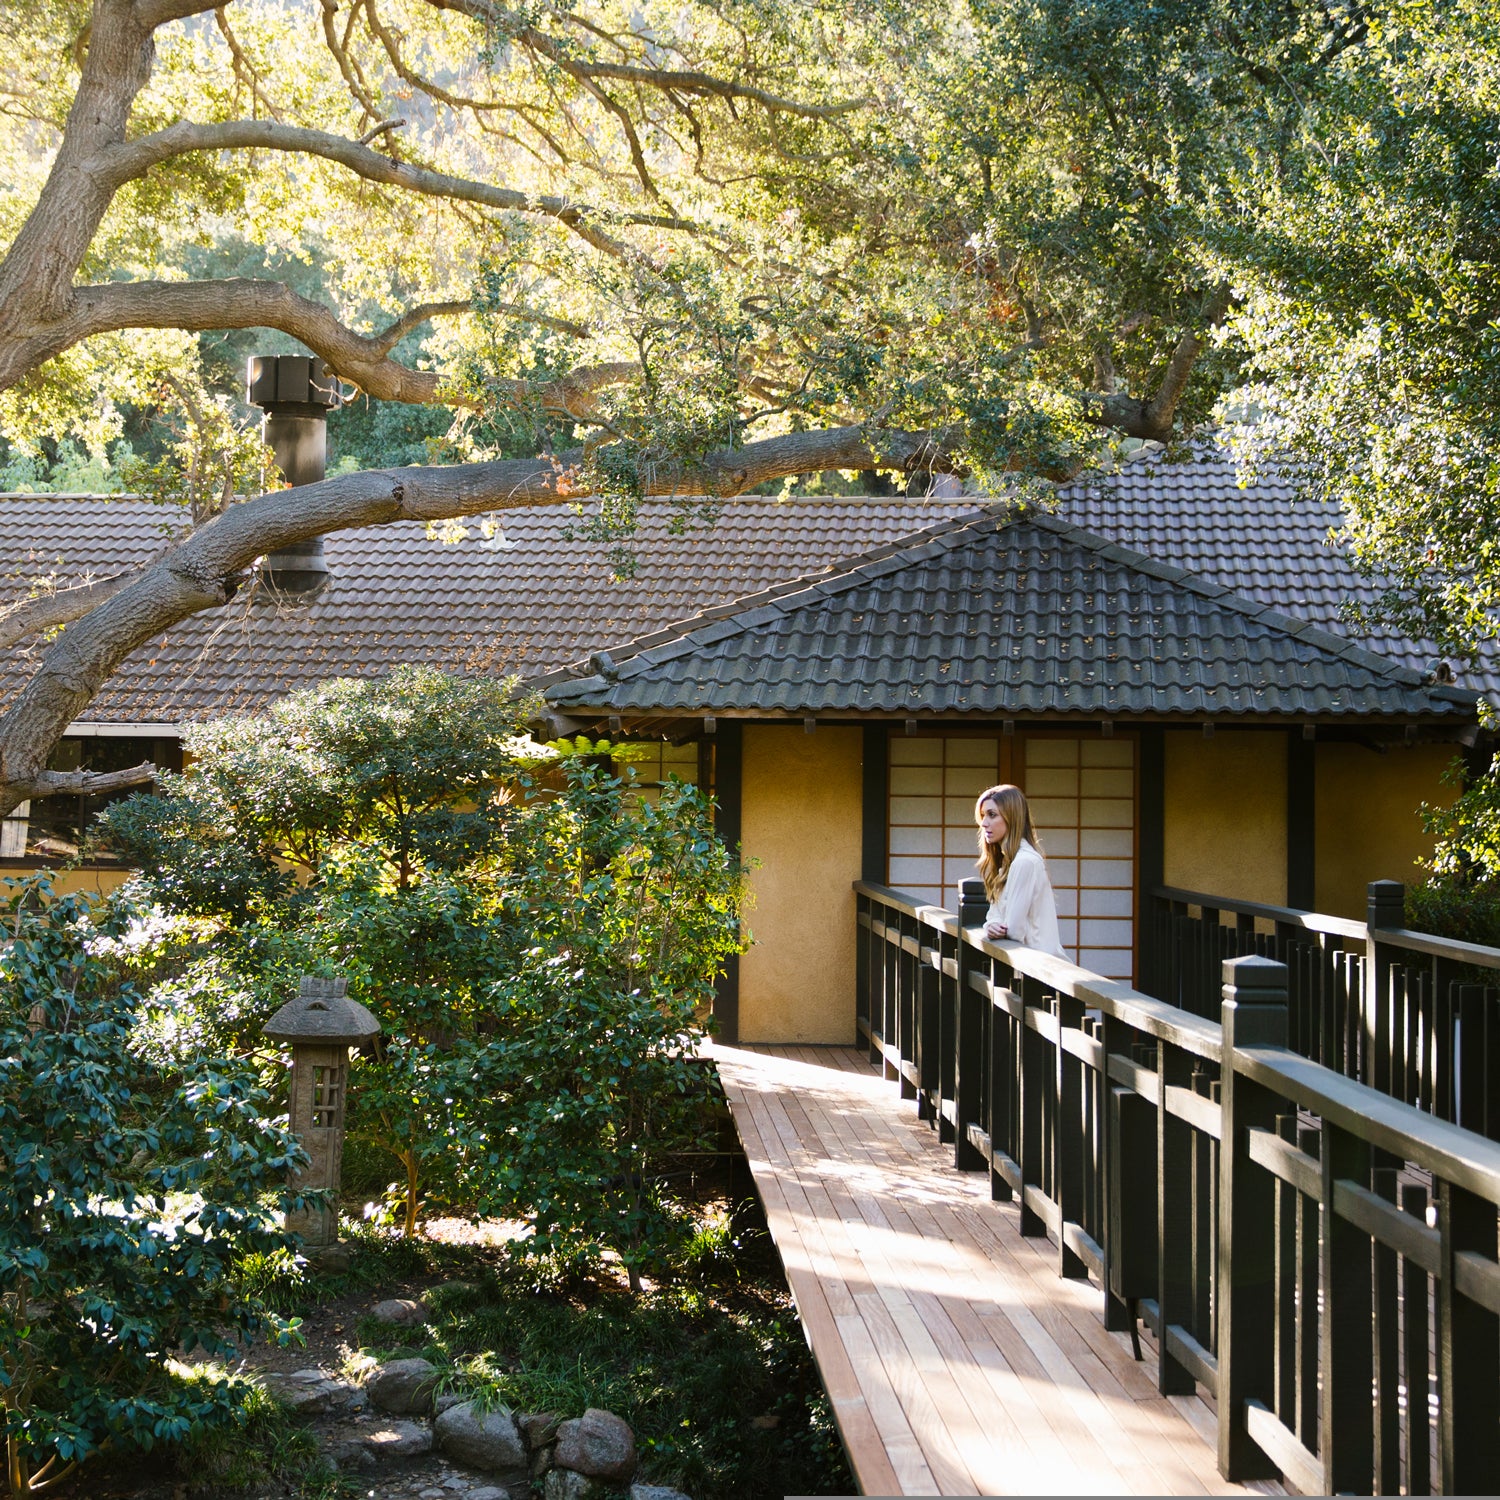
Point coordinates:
[[1415, 1016], [1322, 1258]]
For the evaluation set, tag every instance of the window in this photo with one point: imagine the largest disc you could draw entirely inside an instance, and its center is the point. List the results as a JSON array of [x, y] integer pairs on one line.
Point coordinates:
[[50, 830], [1082, 796]]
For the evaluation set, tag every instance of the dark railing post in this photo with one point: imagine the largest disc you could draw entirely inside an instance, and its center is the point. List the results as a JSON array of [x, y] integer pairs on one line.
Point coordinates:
[[1254, 1015], [1468, 1350], [968, 1080], [1386, 908]]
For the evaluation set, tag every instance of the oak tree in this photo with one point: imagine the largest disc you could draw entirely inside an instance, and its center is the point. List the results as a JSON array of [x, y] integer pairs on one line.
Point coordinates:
[[700, 247]]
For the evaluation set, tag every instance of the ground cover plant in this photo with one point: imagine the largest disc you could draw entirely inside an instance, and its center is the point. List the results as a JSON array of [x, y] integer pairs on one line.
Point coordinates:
[[708, 1364]]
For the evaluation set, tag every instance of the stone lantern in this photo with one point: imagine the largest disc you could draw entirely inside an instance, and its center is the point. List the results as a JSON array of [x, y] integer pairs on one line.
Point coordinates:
[[321, 1025]]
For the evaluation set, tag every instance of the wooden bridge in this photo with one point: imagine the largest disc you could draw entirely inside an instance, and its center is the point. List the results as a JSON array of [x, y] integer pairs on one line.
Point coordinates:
[[956, 1360], [1080, 1174]]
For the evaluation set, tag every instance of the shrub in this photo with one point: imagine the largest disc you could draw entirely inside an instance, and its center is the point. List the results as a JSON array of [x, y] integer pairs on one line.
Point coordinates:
[[128, 1200], [540, 958]]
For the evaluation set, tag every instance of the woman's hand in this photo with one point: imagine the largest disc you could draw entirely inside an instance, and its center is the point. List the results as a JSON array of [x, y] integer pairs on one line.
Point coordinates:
[[996, 930]]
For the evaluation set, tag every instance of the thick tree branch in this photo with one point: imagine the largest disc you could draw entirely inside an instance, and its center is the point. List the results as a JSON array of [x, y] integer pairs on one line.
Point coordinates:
[[134, 159], [149, 14], [386, 340], [30, 617], [85, 783], [205, 568], [1152, 417]]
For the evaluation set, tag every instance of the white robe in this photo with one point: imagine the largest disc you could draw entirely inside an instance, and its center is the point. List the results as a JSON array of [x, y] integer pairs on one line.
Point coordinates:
[[1026, 908]]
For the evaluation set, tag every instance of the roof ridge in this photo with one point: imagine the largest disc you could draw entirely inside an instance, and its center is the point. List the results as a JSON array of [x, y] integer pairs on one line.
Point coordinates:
[[849, 571]]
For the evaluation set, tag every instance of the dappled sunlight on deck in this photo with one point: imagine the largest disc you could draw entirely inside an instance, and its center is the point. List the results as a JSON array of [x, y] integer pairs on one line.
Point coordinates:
[[956, 1359]]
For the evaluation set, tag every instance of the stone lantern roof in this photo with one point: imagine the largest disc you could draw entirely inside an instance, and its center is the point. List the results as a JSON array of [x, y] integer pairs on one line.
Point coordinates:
[[323, 1012]]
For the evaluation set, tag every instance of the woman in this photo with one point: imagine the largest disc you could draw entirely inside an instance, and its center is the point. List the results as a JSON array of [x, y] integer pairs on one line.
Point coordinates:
[[1022, 907]]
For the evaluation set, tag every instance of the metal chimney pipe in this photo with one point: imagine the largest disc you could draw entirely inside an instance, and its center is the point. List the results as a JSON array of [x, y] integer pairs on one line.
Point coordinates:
[[296, 393]]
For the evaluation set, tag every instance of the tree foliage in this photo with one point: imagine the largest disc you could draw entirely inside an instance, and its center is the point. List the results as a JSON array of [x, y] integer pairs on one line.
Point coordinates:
[[676, 248], [541, 957], [128, 1201]]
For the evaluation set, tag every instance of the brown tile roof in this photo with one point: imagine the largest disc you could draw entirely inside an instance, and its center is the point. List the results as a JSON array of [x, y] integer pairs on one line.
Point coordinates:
[[398, 596], [1260, 541]]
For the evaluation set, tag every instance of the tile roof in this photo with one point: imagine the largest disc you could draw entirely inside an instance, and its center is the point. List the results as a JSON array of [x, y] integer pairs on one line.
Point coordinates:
[[1003, 614], [398, 595], [1259, 540]]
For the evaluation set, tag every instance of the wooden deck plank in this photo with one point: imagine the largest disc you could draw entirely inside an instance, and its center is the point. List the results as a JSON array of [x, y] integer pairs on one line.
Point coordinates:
[[956, 1360]]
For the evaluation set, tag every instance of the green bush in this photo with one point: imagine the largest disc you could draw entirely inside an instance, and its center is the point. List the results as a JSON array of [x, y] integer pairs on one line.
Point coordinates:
[[129, 1198], [540, 957]]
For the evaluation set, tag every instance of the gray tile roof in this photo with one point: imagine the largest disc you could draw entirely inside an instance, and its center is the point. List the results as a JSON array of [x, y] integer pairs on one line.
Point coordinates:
[[399, 596], [1000, 615], [1259, 540]]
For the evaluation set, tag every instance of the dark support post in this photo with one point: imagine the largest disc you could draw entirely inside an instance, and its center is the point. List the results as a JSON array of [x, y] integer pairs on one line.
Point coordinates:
[[1254, 1015], [1174, 1219], [1130, 1196], [1301, 821], [875, 836], [1150, 866], [1346, 1439], [1468, 1351], [728, 761], [968, 1082], [1386, 908], [1068, 1148]]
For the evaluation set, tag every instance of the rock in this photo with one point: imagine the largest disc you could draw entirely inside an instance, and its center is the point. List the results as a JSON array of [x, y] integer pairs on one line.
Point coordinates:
[[403, 1386], [381, 1442], [539, 1427], [655, 1492], [313, 1393], [488, 1492], [569, 1484], [766, 1422], [541, 1461], [490, 1441], [597, 1444], [399, 1311], [446, 1402]]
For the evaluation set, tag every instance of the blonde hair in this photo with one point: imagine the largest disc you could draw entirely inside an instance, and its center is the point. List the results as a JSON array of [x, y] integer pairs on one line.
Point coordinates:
[[995, 860]]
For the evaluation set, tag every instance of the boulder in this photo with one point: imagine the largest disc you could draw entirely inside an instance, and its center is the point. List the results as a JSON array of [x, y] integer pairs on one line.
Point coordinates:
[[539, 1427], [597, 1444], [403, 1386], [569, 1484], [484, 1440], [379, 1443], [655, 1492], [313, 1393], [400, 1311]]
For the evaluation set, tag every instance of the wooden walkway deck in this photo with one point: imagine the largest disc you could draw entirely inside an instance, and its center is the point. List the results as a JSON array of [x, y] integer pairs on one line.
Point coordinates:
[[956, 1360]]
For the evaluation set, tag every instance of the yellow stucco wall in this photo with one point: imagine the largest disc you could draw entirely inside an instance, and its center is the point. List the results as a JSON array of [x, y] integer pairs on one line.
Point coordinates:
[[64, 882], [1368, 824], [1225, 817], [801, 818]]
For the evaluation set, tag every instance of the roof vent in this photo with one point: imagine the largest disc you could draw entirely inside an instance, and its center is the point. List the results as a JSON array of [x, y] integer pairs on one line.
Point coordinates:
[[296, 393]]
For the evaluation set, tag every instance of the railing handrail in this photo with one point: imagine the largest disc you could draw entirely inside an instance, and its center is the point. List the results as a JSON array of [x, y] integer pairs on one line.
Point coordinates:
[[1111, 997], [1476, 955], [1289, 916], [1448, 1151], [1263, 1212]]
